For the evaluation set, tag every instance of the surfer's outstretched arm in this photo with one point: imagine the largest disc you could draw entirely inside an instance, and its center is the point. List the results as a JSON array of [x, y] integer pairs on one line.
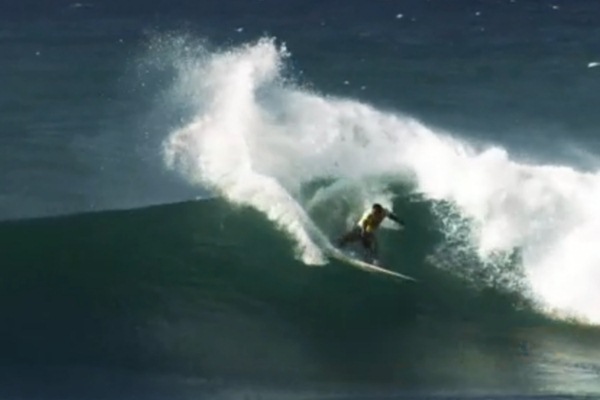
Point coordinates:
[[395, 218]]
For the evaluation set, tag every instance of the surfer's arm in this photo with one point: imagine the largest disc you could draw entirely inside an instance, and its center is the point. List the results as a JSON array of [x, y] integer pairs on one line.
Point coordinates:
[[395, 218], [363, 223], [363, 228]]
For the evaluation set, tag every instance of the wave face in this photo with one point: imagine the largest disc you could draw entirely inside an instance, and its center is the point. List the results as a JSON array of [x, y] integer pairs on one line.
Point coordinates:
[[312, 163], [213, 291]]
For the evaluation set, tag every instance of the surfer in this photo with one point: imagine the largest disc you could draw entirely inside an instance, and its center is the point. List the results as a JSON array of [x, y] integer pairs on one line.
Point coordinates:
[[366, 227]]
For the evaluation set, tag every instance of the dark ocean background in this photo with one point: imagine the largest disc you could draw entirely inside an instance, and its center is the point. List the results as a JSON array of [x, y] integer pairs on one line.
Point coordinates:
[[172, 175]]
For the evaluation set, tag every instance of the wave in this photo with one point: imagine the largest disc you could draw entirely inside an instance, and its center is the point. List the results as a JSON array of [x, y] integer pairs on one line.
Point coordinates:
[[213, 290], [258, 139]]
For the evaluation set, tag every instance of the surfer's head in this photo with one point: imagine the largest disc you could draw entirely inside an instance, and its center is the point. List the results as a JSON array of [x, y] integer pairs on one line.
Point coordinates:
[[377, 208]]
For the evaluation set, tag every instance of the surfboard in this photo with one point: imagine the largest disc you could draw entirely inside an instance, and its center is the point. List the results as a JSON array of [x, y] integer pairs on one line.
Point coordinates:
[[341, 256]]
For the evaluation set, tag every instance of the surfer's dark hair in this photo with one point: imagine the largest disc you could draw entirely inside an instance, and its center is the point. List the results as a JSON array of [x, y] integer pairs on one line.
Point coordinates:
[[377, 207]]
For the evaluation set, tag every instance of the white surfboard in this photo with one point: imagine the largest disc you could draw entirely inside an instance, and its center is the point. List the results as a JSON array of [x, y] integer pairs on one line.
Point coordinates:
[[340, 255]]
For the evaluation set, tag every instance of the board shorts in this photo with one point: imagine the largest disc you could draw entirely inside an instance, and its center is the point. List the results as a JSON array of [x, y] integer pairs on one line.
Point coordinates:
[[366, 238]]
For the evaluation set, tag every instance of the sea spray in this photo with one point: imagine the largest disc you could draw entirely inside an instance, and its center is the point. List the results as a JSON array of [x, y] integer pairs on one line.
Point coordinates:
[[258, 140]]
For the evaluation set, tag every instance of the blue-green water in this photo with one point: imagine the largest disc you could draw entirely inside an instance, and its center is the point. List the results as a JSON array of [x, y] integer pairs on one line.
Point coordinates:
[[171, 176]]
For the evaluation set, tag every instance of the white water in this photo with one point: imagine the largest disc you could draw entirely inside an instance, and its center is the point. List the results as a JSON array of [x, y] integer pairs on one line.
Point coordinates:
[[256, 139]]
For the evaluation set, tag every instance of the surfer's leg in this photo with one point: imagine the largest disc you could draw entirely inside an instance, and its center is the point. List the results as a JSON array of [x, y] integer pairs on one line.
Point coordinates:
[[366, 241], [351, 236], [369, 242], [374, 249]]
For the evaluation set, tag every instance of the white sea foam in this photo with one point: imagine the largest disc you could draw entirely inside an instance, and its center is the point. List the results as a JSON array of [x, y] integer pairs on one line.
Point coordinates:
[[256, 140]]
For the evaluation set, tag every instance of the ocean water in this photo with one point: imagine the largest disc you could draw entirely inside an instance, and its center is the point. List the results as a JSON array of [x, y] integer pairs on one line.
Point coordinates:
[[172, 176]]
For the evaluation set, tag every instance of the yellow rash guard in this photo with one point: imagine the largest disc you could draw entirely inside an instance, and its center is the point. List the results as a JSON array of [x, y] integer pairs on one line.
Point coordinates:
[[369, 221]]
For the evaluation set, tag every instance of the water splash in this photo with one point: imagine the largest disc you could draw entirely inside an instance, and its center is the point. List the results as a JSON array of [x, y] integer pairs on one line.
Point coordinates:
[[257, 140]]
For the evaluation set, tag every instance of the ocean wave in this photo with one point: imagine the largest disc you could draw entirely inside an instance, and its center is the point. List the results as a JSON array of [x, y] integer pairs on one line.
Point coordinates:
[[256, 139]]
